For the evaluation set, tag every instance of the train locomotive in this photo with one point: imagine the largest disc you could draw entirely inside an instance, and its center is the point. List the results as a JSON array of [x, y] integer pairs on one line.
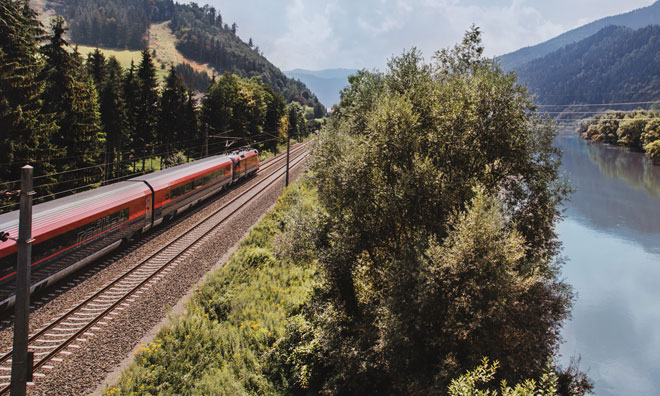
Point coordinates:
[[72, 231]]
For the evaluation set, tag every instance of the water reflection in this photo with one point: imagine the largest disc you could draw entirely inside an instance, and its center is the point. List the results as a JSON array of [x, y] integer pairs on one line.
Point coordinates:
[[611, 237], [617, 191]]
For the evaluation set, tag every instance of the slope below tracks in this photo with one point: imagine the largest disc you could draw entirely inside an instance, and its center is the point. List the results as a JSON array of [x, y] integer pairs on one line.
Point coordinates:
[[73, 351]]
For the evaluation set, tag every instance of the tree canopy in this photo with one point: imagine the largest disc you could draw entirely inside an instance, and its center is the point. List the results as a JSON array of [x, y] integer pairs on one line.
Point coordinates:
[[440, 192]]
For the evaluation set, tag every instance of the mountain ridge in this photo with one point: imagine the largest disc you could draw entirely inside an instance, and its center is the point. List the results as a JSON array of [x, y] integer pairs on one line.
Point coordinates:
[[635, 19], [617, 64], [201, 36]]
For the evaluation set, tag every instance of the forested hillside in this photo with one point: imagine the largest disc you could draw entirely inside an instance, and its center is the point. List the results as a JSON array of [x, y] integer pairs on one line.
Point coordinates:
[[83, 122], [615, 65], [634, 19], [201, 35]]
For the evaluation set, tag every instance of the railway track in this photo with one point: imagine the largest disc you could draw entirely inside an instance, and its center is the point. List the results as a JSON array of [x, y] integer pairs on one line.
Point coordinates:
[[50, 344], [42, 275]]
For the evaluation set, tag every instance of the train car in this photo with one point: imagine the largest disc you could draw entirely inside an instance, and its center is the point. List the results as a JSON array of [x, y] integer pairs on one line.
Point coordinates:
[[72, 231], [245, 163], [178, 188]]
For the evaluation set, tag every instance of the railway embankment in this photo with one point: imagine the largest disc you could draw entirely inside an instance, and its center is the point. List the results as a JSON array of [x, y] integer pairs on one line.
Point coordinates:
[[235, 318], [84, 365]]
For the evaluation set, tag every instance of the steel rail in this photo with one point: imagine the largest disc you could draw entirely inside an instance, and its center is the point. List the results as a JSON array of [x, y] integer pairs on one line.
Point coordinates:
[[165, 262]]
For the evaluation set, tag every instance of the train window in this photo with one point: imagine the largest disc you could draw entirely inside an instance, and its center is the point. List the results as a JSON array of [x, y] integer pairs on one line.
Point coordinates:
[[79, 235]]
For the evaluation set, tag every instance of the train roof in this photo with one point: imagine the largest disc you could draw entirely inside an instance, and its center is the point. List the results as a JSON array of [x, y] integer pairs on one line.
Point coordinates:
[[165, 178], [53, 214]]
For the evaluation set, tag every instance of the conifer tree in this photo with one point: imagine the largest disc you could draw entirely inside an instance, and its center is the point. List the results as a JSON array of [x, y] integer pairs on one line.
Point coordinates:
[[191, 131], [70, 94], [218, 105], [147, 106], [114, 118], [97, 68], [172, 114], [130, 90], [26, 128]]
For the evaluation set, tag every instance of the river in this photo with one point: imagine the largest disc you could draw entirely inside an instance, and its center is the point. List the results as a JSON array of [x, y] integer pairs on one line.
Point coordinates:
[[611, 240]]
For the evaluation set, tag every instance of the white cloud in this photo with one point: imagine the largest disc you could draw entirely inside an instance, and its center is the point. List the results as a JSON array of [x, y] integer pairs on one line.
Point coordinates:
[[309, 39], [318, 34]]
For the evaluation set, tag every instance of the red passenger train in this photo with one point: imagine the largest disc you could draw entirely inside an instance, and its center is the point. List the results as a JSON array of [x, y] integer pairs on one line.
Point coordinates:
[[72, 231]]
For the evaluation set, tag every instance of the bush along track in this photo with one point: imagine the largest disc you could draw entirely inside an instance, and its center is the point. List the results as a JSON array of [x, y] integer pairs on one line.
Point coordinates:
[[222, 344]]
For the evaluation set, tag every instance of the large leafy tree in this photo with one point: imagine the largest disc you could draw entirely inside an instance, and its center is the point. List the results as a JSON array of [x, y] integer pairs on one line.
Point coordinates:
[[26, 129], [440, 191]]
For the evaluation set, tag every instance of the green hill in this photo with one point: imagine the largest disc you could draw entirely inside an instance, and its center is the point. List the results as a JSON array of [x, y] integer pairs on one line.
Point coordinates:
[[615, 65], [200, 36]]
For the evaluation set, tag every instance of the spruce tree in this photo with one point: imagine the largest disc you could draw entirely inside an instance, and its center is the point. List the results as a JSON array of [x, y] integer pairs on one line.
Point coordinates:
[[218, 105], [26, 128], [172, 114], [191, 131], [70, 94], [97, 68], [147, 106], [114, 118], [130, 90]]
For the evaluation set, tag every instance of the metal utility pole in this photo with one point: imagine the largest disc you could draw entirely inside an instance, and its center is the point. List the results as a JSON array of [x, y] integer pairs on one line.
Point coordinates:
[[206, 140], [21, 365], [288, 145]]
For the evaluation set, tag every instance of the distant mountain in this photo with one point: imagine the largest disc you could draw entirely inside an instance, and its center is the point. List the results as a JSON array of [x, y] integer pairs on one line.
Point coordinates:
[[617, 64], [634, 19], [325, 83]]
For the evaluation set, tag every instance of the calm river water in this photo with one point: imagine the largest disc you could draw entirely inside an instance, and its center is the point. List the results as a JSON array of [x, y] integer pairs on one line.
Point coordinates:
[[611, 239]]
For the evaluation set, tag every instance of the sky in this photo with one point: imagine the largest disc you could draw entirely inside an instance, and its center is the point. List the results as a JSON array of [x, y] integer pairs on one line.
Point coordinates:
[[356, 34]]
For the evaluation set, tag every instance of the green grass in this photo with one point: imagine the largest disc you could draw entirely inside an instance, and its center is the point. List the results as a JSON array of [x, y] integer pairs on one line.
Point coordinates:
[[220, 346], [124, 57]]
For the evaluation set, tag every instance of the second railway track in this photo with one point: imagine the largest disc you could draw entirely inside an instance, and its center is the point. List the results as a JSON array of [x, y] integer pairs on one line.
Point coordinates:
[[81, 321]]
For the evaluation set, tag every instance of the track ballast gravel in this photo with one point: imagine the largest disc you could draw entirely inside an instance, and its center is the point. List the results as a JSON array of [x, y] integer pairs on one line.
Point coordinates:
[[87, 366]]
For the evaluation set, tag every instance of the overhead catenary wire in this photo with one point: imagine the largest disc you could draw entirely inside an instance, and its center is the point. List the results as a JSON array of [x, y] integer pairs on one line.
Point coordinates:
[[129, 160], [107, 181]]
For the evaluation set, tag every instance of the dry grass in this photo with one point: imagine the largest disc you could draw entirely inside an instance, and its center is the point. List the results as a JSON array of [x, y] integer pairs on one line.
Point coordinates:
[[163, 41]]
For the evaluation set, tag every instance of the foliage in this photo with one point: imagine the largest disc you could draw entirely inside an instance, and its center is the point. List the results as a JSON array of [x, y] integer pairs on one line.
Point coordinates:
[[468, 383], [70, 94], [113, 23], [200, 34], [442, 191], [146, 105], [243, 110], [636, 130], [194, 80], [615, 65], [653, 151], [27, 129], [221, 345], [114, 118], [174, 122]]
